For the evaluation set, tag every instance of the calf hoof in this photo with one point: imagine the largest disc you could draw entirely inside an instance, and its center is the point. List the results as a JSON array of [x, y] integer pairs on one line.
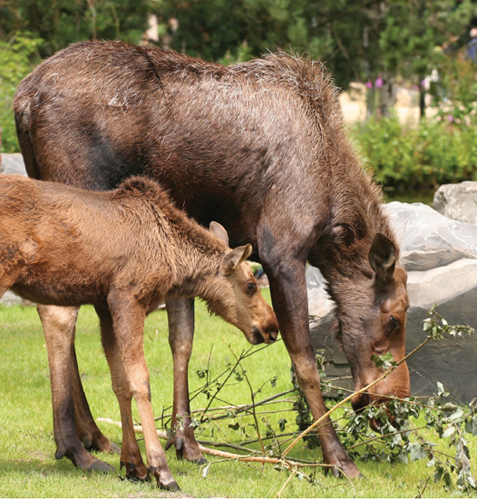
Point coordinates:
[[166, 482], [136, 472], [172, 486], [101, 466]]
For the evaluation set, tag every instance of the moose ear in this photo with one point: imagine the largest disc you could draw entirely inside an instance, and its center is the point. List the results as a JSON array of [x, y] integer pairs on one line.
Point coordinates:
[[219, 231], [382, 258], [233, 259]]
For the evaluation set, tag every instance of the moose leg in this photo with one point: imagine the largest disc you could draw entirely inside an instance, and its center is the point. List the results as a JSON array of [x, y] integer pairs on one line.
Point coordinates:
[[59, 330], [130, 453], [180, 313], [289, 297], [128, 321], [88, 431]]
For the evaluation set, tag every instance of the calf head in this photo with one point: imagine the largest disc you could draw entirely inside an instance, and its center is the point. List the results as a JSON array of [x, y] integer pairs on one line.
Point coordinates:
[[374, 322], [235, 296]]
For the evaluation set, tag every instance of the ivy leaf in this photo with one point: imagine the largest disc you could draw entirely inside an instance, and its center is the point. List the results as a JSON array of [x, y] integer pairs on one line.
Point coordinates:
[[385, 361], [171, 432], [456, 415], [440, 391], [416, 452], [449, 431]]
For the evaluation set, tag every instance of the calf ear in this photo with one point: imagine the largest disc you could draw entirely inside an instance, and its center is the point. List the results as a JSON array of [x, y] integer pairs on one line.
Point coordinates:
[[219, 231], [382, 258], [233, 259]]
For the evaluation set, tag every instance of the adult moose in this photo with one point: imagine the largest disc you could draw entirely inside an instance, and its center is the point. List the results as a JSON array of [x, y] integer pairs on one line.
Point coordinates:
[[53, 250], [258, 146]]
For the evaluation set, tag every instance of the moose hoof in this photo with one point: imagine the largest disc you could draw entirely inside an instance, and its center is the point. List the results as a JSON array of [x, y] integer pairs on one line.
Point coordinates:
[[114, 449], [189, 452], [101, 466], [349, 470], [60, 453], [101, 444], [88, 443]]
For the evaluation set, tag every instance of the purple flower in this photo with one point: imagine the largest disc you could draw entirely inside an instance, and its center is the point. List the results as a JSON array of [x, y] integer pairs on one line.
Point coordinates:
[[450, 118], [369, 84], [379, 82]]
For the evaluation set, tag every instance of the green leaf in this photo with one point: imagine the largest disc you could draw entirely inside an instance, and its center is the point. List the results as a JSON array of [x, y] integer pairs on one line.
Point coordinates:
[[449, 431], [416, 452]]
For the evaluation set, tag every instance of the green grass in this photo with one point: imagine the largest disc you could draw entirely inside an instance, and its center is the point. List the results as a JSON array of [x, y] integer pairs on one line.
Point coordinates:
[[27, 464]]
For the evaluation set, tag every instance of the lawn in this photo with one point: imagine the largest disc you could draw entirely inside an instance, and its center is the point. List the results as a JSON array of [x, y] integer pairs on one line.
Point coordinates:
[[28, 467]]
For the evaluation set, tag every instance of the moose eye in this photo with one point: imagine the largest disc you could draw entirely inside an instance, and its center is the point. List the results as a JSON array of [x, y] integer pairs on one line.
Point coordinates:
[[251, 288], [393, 323]]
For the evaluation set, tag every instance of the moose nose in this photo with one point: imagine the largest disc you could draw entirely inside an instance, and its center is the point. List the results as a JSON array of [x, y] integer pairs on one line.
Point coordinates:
[[272, 336], [360, 401]]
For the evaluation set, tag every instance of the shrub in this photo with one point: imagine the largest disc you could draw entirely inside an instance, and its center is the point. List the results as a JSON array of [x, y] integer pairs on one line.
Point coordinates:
[[14, 65], [435, 153]]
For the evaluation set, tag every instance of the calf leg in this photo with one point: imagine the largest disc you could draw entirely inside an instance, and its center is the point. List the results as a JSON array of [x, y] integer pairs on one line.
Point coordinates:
[[130, 453], [59, 329], [289, 296], [181, 333], [128, 321]]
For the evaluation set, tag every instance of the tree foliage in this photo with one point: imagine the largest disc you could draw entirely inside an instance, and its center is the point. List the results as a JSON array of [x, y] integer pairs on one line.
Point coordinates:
[[357, 39], [61, 22]]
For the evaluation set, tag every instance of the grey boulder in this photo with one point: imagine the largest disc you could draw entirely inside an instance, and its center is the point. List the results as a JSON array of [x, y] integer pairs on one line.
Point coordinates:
[[12, 164], [457, 201]]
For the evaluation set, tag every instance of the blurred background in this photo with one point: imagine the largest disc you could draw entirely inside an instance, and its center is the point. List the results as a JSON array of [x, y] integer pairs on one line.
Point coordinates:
[[407, 68]]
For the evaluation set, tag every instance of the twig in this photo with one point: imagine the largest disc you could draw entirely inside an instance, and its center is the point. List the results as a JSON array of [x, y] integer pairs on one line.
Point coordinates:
[[224, 454], [252, 395], [292, 473], [220, 387], [239, 408]]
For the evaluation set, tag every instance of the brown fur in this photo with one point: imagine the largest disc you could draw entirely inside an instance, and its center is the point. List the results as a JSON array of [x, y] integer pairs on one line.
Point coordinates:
[[123, 251], [258, 146]]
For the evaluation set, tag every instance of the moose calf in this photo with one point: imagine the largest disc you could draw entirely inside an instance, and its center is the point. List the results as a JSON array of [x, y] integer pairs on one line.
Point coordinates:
[[124, 252]]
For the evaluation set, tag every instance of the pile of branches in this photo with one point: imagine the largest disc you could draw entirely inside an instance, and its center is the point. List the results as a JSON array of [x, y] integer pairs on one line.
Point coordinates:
[[398, 441]]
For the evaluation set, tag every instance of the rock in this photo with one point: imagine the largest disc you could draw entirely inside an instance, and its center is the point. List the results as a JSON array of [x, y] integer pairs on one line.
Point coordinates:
[[457, 201], [12, 164], [10, 299], [440, 256]]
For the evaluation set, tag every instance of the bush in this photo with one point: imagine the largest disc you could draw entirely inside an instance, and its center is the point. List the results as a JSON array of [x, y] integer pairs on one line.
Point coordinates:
[[14, 65], [435, 153]]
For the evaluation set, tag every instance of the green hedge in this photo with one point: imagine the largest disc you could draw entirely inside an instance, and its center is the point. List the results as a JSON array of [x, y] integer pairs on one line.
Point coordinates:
[[434, 153], [15, 64]]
